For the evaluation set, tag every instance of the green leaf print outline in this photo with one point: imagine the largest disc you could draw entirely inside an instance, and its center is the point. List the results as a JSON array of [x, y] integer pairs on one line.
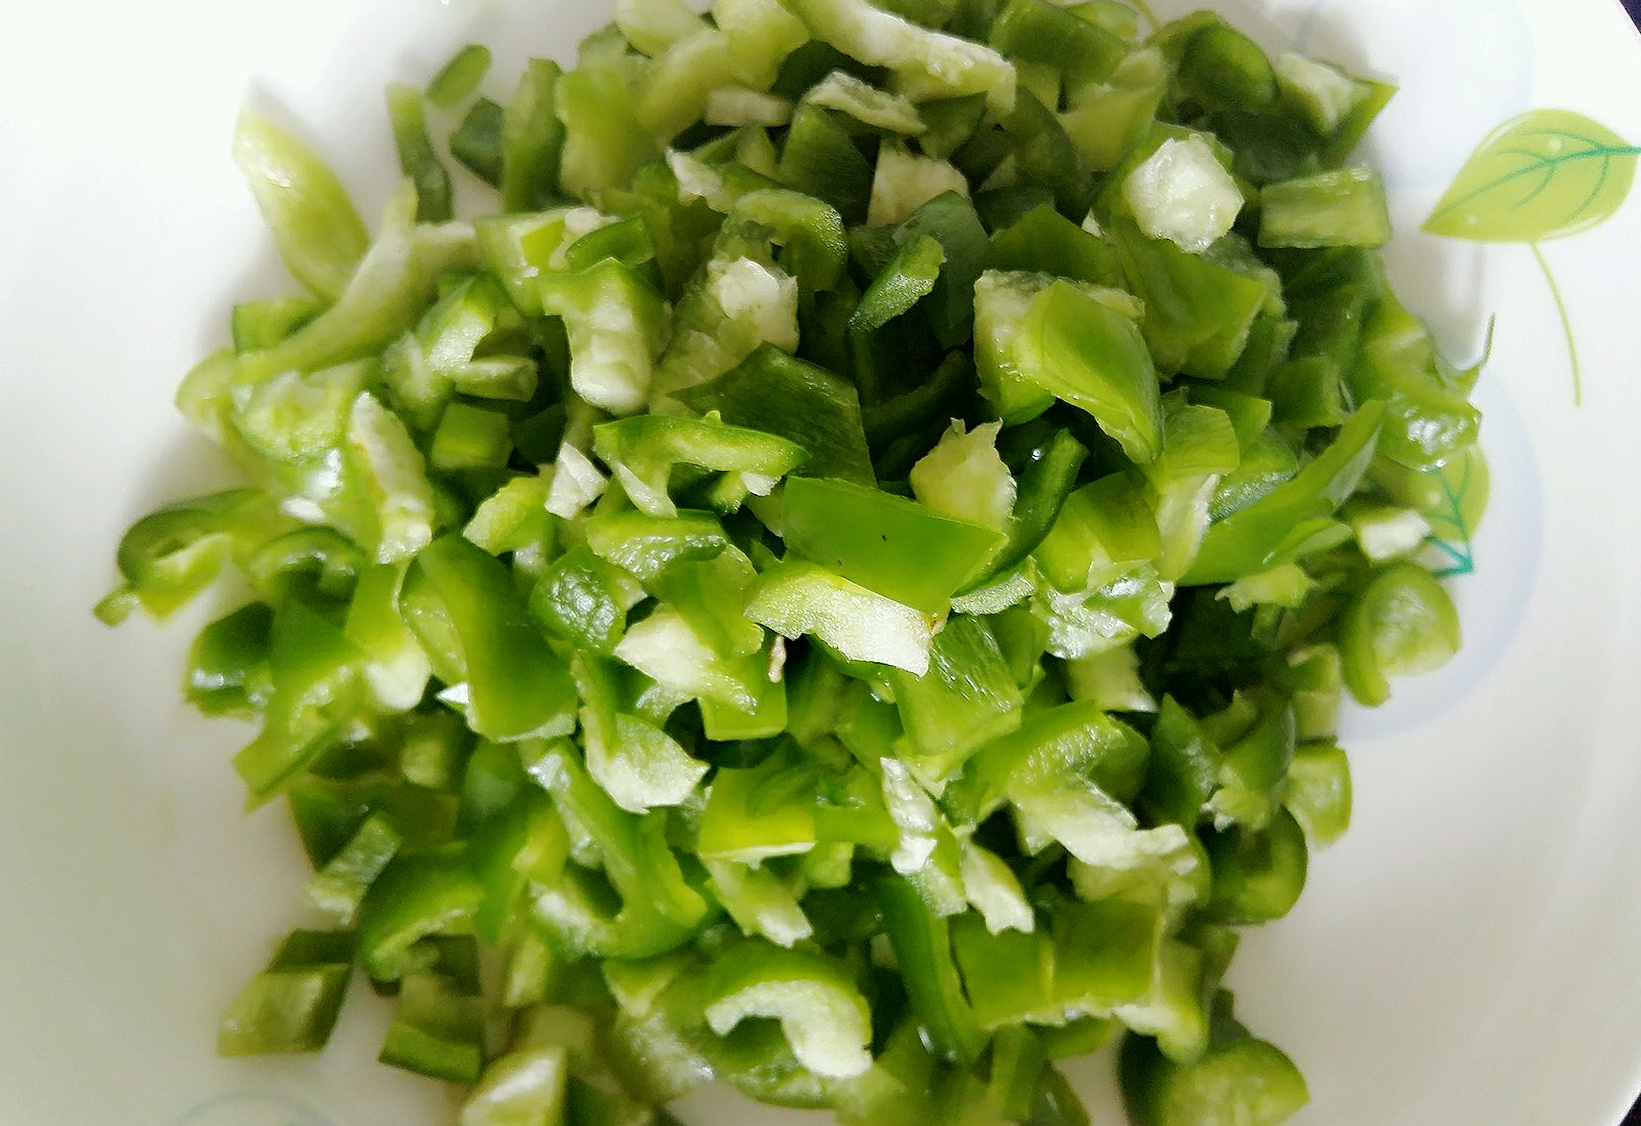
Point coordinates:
[[1457, 511], [1547, 174]]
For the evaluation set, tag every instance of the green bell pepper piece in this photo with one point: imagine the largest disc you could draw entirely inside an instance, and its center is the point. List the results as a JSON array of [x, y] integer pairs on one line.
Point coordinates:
[[966, 699], [1045, 241], [1308, 392], [319, 563], [1076, 739], [759, 901], [1344, 207], [340, 887], [1001, 299], [821, 1012], [517, 248], [797, 598], [262, 324], [316, 673], [524, 841], [459, 78], [297, 416], [1175, 1010], [809, 233], [1319, 792], [1035, 31], [805, 404], [1402, 622], [710, 595], [820, 159], [420, 894], [1247, 1081], [754, 814], [949, 123], [381, 299], [908, 278], [659, 909], [1018, 1063], [1267, 462], [1104, 954], [1429, 420], [604, 139], [1199, 448], [643, 451], [327, 812], [652, 26], [888, 544], [1258, 874], [1045, 154], [437, 1030], [434, 750], [1198, 313], [927, 853], [950, 220], [1008, 976], [1254, 770], [667, 648], [1221, 67], [532, 139], [1295, 517], [874, 108], [477, 142], [646, 546], [615, 323], [637, 764], [168, 557], [762, 36], [923, 946], [1108, 122], [387, 503], [584, 600], [1045, 484], [1315, 678], [1105, 529], [1320, 94], [1078, 1037], [228, 672], [319, 234], [462, 605], [408, 114], [627, 240], [926, 63], [396, 670], [1184, 767], [994, 890], [965, 478], [679, 81], [522, 1088], [514, 519], [1001, 207], [915, 413], [291, 1006]]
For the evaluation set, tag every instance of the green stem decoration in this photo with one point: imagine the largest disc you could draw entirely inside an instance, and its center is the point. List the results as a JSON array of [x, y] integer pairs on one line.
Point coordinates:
[[1566, 325]]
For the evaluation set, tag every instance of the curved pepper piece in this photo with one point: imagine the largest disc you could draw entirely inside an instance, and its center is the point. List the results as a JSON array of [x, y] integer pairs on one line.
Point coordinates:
[[464, 608], [821, 1011], [1295, 518]]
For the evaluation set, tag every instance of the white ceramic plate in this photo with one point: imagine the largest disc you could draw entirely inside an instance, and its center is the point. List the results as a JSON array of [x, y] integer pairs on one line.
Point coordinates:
[[1466, 957]]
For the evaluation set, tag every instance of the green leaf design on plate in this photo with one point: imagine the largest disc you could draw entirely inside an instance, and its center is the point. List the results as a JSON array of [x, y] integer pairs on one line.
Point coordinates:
[[1464, 486], [1546, 174]]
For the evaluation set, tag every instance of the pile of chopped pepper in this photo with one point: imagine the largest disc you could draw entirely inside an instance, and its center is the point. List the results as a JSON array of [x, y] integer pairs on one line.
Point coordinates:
[[842, 580]]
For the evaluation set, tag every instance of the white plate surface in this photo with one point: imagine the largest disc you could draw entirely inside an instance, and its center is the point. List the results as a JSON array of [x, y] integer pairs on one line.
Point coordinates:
[[1468, 956]]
